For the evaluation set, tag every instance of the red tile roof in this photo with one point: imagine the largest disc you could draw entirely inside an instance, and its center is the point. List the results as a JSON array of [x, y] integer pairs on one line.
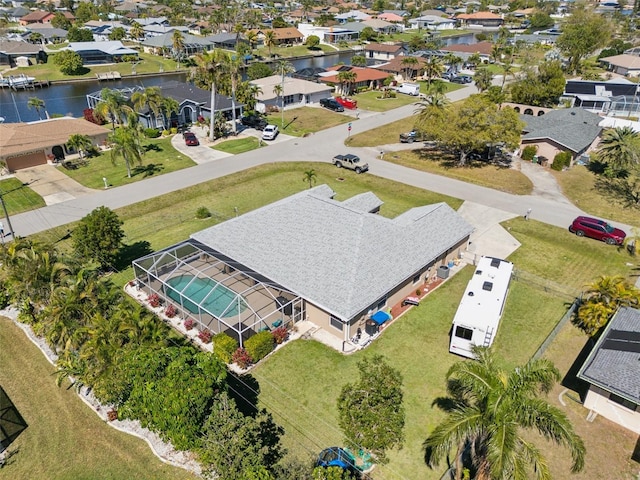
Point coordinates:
[[363, 74]]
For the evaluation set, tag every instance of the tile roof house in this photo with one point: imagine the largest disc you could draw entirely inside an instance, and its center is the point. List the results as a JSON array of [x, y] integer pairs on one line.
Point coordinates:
[[571, 130], [391, 17], [10, 50], [383, 52], [24, 145], [365, 77], [481, 48], [612, 371], [480, 19], [403, 71], [283, 36], [623, 64], [40, 16], [296, 92], [338, 259]]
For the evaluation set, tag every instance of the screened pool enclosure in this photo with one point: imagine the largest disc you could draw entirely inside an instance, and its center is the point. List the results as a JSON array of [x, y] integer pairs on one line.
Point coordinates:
[[219, 294]]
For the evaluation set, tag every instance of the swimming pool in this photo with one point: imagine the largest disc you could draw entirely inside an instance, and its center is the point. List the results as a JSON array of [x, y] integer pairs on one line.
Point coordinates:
[[220, 301]]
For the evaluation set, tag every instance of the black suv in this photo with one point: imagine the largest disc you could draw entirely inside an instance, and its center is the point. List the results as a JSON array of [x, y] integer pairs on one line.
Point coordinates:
[[331, 104], [255, 121]]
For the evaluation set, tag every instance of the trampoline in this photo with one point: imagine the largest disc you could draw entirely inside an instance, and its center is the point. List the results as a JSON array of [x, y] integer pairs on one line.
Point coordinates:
[[195, 293]]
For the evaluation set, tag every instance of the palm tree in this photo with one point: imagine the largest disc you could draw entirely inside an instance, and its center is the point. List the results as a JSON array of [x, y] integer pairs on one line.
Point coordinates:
[[80, 143], [483, 79], [136, 32], [168, 107], [125, 145], [37, 103], [432, 67], [310, 177], [432, 107], [283, 67], [507, 69], [151, 98], [269, 40], [489, 410], [177, 41], [207, 75], [346, 80], [452, 60], [408, 65], [620, 148], [112, 105], [252, 39], [232, 64]]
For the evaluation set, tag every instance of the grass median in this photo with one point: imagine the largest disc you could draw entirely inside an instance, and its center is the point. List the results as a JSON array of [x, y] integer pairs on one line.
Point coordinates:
[[18, 197], [239, 145]]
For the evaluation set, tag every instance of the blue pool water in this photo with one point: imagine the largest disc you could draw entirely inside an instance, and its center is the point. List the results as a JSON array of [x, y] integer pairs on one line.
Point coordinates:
[[218, 297]]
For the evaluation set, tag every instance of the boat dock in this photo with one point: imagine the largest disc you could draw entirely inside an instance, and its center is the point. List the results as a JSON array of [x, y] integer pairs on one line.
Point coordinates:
[[22, 82], [108, 76]]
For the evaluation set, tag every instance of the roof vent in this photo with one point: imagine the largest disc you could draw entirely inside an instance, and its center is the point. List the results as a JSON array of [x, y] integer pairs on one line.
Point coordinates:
[[470, 294], [478, 272], [487, 286]]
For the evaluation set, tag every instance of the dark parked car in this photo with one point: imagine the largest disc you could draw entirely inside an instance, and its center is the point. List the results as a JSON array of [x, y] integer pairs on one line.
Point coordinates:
[[331, 104], [254, 121], [190, 139], [598, 229], [462, 79]]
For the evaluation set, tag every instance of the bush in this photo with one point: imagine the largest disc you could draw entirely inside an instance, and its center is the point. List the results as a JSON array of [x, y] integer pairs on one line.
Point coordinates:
[[170, 311], [529, 152], [151, 132], [280, 335], [242, 358], [204, 336], [203, 212], [561, 160], [260, 345], [154, 300], [224, 346], [166, 133], [112, 415], [174, 130], [188, 323]]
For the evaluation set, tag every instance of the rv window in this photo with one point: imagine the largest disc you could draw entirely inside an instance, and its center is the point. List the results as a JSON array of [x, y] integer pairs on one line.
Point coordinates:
[[478, 272], [487, 286], [464, 333], [495, 262]]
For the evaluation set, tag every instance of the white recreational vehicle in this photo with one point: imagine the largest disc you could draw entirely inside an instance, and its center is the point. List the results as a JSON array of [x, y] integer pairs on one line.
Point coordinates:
[[478, 316]]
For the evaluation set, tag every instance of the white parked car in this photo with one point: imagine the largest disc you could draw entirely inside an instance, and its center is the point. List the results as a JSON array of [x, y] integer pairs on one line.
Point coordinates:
[[270, 132]]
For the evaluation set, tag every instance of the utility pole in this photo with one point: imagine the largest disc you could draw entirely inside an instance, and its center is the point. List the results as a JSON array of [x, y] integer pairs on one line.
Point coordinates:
[[6, 215]]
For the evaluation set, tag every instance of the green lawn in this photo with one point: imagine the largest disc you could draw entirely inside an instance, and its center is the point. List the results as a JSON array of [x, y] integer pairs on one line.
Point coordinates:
[[578, 184], [305, 120], [64, 439], [383, 135], [160, 157], [294, 51], [148, 64], [373, 101], [476, 172], [239, 145], [18, 197]]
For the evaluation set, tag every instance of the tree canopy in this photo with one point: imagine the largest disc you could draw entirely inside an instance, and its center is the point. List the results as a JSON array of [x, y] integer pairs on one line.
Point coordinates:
[[371, 410], [471, 125], [70, 62], [541, 86], [583, 33], [98, 236]]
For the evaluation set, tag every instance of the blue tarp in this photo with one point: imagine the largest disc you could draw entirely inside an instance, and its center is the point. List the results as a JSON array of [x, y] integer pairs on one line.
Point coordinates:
[[380, 317]]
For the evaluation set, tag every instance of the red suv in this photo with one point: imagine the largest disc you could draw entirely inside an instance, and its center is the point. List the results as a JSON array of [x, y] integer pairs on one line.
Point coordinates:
[[598, 229]]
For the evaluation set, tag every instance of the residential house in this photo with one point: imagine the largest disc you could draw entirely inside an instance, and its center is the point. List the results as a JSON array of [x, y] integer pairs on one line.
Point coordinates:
[[383, 52], [623, 64], [155, 30], [47, 33], [432, 23], [612, 371], [391, 17], [367, 78], [24, 145], [95, 53], [305, 257], [572, 130], [161, 44], [401, 70], [480, 19], [382, 26], [296, 92], [228, 41], [464, 51], [617, 95], [40, 16], [351, 16], [10, 50]]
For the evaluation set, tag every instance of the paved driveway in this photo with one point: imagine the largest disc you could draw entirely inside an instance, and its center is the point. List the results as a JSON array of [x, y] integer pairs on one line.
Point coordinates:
[[52, 184]]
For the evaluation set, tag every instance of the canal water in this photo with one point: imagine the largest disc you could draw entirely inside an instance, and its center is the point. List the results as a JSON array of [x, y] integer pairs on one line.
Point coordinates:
[[70, 98]]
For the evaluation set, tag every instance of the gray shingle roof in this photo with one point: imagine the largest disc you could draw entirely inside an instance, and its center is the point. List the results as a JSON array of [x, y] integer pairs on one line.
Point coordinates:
[[573, 128], [339, 258], [365, 202], [615, 371]]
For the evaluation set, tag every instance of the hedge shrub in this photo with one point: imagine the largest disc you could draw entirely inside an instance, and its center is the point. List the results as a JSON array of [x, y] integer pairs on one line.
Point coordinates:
[[260, 345], [561, 160], [151, 132], [203, 212], [224, 346], [529, 152]]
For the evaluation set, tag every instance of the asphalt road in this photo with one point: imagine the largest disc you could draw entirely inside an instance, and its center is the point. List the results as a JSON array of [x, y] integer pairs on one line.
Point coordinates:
[[316, 148]]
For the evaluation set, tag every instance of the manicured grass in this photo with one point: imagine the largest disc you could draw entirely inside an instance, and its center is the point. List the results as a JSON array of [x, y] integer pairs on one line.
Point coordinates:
[[479, 173], [578, 185], [160, 157], [373, 101], [239, 145], [64, 439], [305, 120], [18, 197], [383, 135], [148, 64]]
